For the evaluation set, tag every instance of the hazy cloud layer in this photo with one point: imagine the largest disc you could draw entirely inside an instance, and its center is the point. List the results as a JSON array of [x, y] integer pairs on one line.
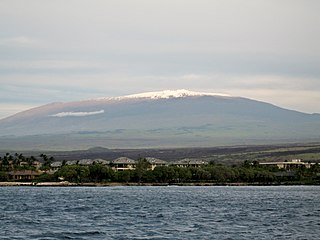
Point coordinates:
[[70, 50]]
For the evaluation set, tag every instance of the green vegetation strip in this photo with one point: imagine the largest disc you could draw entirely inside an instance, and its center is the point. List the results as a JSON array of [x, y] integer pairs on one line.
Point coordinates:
[[249, 172]]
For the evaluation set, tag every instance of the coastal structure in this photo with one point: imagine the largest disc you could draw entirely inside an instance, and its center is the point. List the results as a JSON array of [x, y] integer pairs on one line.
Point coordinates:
[[156, 162], [24, 175], [293, 164], [187, 162], [93, 161], [123, 163], [56, 165], [35, 164]]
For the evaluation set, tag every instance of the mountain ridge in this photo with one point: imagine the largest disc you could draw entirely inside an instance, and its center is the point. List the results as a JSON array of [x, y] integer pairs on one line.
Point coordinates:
[[181, 117], [168, 94]]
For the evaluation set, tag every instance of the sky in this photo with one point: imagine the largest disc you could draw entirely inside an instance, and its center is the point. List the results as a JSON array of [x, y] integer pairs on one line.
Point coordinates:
[[59, 51]]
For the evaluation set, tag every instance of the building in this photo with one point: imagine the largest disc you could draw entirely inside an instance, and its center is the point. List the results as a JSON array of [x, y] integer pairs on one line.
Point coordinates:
[[93, 161], [123, 163], [37, 164], [156, 162], [56, 165], [24, 175], [187, 162], [293, 164]]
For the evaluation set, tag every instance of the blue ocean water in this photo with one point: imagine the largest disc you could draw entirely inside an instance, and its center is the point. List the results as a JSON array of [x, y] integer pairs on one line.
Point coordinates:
[[290, 212]]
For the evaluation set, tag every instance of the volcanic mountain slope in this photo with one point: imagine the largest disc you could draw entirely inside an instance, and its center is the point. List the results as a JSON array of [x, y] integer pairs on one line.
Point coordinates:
[[157, 119]]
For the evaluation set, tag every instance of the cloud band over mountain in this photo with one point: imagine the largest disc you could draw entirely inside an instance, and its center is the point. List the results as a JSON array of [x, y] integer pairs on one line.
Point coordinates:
[[76, 114]]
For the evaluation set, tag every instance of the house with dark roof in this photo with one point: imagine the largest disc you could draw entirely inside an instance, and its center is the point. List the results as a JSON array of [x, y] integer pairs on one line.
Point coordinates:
[[123, 163], [24, 175], [156, 162]]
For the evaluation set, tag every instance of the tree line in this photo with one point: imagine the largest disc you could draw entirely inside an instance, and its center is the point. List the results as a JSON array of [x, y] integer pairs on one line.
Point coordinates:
[[247, 172], [17, 162]]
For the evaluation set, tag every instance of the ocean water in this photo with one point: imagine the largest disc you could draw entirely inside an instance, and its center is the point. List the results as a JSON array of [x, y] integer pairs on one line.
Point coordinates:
[[284, 212]]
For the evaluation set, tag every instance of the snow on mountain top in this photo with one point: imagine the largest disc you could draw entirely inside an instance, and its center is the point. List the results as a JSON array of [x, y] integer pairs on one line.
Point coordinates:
[[166, 94]]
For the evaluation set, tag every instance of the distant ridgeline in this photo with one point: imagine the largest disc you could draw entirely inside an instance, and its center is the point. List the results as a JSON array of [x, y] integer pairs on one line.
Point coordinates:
[[153, 170], [177, 119]]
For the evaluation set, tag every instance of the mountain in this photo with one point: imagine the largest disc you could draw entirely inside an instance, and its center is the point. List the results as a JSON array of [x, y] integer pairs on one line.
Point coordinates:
[[157, 119]]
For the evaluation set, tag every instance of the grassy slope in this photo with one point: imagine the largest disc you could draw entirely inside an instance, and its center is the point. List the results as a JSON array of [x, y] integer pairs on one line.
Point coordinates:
[[225, 155]]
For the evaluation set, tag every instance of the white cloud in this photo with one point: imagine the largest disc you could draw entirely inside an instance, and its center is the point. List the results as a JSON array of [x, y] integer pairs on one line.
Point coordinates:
[[76, 114], [19, 41]]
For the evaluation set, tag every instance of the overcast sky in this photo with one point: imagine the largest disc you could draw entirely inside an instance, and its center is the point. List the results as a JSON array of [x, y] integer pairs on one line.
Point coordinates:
[[61, 50]]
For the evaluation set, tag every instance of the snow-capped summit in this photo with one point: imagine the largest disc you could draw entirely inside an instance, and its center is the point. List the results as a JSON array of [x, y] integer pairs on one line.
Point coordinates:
[[179, 118], [166, 94]]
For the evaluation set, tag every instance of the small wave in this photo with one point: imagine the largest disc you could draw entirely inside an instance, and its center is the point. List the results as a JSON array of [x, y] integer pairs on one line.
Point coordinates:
[[68, 235]]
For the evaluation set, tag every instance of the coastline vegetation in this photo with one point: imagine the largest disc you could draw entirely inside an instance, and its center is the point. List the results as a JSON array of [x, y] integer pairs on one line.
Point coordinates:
[[249, 172]]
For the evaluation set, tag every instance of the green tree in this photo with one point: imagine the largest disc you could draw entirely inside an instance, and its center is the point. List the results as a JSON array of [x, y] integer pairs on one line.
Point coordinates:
[[64, 162], [142, 167], [160, 174], [99, 173], [45, 177], [46, 161], [124, 176], [200, 174], [3, 176], [184, 174], [6, 162], [73, 173]]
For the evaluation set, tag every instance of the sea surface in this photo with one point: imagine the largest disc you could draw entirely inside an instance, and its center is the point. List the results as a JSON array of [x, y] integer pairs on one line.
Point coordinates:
[[278, 212]]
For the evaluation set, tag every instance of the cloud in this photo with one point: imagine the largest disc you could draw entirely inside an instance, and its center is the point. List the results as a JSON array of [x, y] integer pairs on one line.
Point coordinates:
[[74, 50], [76, 114], [48, 66], [19, 41], [44, 88], [296, 93]]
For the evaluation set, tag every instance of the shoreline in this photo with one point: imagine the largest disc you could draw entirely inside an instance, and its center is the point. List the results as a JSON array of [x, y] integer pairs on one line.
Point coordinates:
[[117, 184]]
